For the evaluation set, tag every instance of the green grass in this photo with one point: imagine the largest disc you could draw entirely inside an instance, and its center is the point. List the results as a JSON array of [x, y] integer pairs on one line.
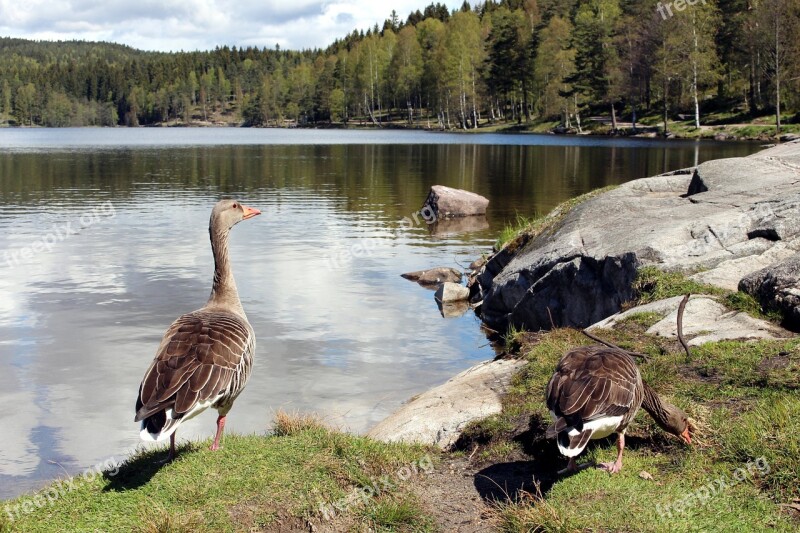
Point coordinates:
[[745, 398], [248, 485], [652, 284], [524, 229], [393, 513]]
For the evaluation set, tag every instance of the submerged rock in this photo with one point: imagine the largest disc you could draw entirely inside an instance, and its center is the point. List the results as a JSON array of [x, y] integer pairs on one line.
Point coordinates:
[[477, 264], [434, 276], [456, 226], [438, 416], [453, 309], [445, 202]]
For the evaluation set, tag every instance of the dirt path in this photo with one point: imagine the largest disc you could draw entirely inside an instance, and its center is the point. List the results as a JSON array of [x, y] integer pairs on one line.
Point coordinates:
[[461, 494]]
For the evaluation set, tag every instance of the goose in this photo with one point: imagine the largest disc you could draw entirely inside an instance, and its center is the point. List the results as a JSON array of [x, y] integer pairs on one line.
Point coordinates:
[[205, 357], [596, 391]]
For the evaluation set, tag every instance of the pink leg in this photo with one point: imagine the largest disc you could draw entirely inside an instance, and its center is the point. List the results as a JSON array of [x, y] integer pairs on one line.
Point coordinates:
[[220, 427], [171, 455], [616, 466]]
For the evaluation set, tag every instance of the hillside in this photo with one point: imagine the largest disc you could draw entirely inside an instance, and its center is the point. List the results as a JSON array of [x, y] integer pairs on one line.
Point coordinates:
[[514, 63]]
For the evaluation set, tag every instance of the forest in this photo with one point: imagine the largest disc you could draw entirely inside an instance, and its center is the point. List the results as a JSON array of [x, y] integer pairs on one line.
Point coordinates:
[[497, 62]]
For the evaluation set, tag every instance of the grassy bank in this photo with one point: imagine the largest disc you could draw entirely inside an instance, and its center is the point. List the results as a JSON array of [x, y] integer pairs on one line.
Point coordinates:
[[744, 396], [303, 474]]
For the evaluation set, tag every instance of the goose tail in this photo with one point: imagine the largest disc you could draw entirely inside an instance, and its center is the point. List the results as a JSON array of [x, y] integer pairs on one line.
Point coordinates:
[[158, 427], [571, 442]]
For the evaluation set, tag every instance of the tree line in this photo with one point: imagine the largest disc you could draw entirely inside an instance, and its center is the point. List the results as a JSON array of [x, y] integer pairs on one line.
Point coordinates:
[[498, 61]]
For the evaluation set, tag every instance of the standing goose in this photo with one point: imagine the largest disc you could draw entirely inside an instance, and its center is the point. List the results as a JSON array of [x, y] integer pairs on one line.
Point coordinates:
[[205, 357], [596, 391]]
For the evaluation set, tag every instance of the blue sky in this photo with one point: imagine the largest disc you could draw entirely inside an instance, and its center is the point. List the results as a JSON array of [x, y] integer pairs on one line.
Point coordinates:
[[171, 25]]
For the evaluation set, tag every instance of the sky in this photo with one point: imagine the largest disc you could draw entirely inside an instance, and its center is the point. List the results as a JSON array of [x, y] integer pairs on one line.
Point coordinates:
[[173, 25]]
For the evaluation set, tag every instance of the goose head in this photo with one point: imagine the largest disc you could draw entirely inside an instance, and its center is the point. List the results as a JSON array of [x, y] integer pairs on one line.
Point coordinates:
[[227, 213], [678, 423]]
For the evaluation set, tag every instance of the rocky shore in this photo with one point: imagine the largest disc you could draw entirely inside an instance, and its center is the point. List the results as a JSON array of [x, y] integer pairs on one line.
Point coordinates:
[[730, 223]]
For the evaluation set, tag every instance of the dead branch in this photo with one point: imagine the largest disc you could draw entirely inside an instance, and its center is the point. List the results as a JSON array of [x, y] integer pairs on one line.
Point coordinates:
[[681, 309], [615, 347]]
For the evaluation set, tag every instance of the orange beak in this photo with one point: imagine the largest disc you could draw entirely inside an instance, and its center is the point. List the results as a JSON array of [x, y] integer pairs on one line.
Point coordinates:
[[250, 212], [686, 437]]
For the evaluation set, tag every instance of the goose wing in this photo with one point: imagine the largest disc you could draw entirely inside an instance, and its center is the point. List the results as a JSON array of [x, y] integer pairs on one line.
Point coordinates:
[[591, 383], [196, 362]]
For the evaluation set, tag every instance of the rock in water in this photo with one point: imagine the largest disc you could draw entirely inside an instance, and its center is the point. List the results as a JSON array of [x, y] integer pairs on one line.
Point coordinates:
[[456, 226], [453, 309], [444, 202], [451, 292], [777, 287], [434, 276]]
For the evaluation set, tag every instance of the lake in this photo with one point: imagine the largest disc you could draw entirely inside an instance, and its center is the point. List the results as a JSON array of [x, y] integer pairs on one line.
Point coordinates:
[[104, 242]]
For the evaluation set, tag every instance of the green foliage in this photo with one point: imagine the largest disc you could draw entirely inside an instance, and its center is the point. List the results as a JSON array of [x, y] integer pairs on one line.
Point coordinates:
[[500, 62]]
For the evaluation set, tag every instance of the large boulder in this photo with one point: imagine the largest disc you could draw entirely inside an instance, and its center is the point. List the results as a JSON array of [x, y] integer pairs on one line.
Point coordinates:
[[777, 287], [704, 320], [438, 416], [724, 219], [445, 202]]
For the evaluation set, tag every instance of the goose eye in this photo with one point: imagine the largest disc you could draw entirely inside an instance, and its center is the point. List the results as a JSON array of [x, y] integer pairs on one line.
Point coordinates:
[[235, 206]]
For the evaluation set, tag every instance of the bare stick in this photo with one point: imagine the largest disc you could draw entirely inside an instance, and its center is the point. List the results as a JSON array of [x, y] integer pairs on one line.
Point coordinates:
[[552, 324], [615, 347], [681, 309]]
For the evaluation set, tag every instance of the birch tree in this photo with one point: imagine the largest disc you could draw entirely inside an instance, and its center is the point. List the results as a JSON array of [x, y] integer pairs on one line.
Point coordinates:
[[777, 22]]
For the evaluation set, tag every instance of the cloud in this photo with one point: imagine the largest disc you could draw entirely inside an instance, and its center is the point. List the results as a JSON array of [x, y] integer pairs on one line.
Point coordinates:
[[173, 25]]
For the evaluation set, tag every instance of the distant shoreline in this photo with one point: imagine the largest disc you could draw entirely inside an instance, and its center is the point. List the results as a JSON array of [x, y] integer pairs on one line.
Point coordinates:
[[752, 132]]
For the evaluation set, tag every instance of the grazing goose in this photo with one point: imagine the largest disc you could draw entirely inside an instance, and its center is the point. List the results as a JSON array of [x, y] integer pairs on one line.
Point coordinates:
[[205, 356], [596, 391]]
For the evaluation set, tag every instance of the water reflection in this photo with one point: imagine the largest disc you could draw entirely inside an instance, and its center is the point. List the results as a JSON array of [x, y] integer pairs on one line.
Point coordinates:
[[339, 331]]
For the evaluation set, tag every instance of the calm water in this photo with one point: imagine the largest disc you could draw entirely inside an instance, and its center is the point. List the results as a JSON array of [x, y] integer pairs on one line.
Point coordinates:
[[104, 241]]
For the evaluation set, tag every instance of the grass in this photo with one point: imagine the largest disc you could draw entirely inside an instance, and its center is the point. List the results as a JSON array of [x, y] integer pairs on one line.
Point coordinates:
[[525, 229], [652, 284], [746, 399], [251, 484], [393, 513]]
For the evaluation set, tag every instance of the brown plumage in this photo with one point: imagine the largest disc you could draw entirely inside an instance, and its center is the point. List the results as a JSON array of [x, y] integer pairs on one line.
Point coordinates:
[[206, 356], [596, 391]]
